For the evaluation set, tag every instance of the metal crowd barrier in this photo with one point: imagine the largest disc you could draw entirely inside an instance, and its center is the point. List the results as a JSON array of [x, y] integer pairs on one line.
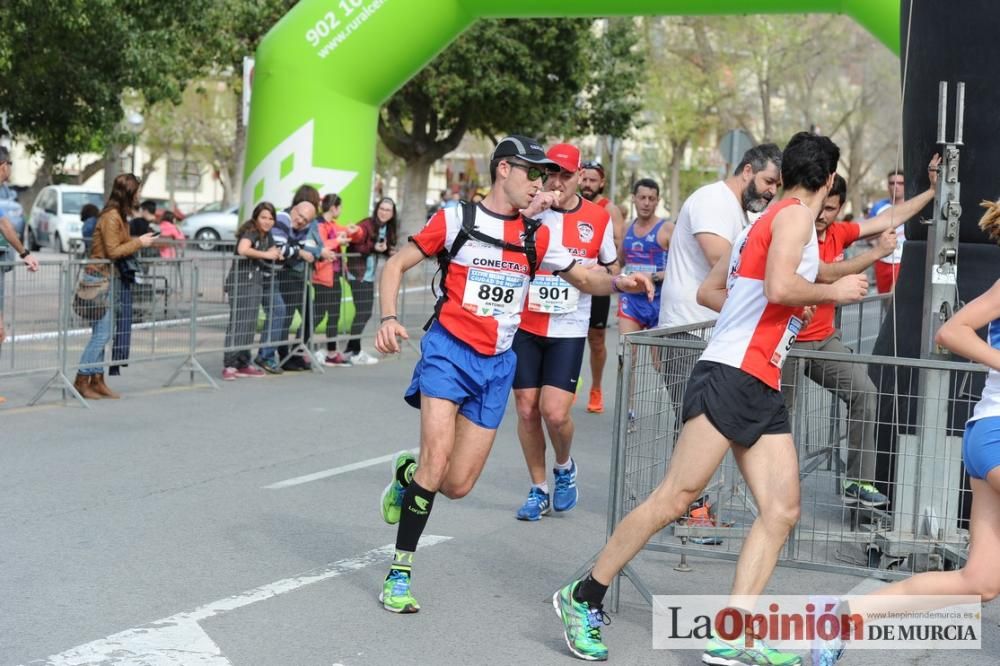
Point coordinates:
[[917, 457], [180, 311]]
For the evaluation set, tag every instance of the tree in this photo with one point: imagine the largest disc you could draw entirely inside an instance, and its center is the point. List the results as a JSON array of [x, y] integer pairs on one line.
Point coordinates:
[[65, 65], [241, 27], [503, 76]]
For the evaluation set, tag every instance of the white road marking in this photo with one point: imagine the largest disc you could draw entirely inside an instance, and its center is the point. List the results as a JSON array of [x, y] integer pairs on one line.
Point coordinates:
[[179, 640], [327, 473]]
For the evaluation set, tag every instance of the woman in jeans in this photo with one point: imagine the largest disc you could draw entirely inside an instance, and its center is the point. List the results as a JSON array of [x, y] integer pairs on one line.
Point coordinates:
[[256, 254], [377, 236], [111, 243]]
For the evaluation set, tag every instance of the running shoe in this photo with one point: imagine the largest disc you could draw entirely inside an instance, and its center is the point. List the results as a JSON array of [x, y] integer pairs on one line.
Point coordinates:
[[396, 596], [701, 516], [826, 652], [581, 624], [336, 361], [565, 495], [723, 653], [363, 358], [536, 506], [229, 374], [250, 371], [596, 403], [268, 365], [858, 492], [392, 497]]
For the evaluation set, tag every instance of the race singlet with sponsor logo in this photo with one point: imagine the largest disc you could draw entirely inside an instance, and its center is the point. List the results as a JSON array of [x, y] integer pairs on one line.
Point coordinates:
[[552, 295], [491, 293]]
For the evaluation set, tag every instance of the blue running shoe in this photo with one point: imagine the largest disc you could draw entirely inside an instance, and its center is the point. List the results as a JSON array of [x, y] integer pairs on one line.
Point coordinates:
[[565, 495], [827, 652], [536, 506]]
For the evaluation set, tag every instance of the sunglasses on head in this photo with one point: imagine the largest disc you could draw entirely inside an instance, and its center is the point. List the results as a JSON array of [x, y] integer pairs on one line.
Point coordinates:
[[593, 164], [534, 172]]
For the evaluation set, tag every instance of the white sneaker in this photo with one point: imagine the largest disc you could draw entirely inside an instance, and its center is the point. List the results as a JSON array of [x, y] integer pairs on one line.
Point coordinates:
[[363, 358]]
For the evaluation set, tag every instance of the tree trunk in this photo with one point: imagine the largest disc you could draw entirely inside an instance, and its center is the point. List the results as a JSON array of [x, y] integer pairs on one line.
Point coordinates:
[[89, 171], [413, 186], [111, 159], [234, 169], [43, 177], [676, 159]]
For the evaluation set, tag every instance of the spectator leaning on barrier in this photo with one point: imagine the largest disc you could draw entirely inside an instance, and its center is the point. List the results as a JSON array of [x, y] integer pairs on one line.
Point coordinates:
[[849, 381], [291, 228], [9, 241], [377, 237], [111, 242], [245, 286]]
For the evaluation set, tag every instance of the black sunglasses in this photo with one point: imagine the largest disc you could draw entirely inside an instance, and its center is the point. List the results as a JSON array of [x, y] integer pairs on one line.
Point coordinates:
[[593, 164], [534, 172]]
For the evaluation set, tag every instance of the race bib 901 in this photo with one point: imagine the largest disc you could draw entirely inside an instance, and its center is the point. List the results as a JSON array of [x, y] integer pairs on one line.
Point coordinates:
[[493, 293], [552, 295]]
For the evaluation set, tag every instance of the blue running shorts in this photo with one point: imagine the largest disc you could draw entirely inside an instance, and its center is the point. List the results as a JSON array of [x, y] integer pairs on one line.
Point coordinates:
[[452, 370], [638, 308], [981, 446]]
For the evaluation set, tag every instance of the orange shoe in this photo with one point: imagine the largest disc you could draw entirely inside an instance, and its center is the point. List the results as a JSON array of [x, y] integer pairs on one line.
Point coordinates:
[[596, 403]]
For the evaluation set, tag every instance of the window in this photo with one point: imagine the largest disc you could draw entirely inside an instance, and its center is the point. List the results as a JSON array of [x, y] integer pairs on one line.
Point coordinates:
[[73, 202]]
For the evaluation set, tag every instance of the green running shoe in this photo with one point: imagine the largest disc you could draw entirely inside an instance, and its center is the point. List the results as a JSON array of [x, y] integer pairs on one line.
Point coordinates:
[[395, 595], [581, 625], [721, 653], [392, 496]]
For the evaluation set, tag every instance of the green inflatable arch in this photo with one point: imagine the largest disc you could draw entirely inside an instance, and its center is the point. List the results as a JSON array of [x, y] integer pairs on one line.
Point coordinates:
[[324, 70]]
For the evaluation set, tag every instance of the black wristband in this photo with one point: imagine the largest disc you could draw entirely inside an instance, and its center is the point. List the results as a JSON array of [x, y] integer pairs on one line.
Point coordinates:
[[387, 318], [24, 254]]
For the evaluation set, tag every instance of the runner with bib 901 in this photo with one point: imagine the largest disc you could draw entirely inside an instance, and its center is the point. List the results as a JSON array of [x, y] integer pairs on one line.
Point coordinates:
[[489, 253]]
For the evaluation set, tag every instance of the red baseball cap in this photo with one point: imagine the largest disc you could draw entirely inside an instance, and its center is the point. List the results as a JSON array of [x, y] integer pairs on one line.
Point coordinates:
[[567, 156]]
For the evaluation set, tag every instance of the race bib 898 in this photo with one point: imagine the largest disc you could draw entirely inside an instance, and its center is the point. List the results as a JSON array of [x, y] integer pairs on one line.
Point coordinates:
[[492, 293]]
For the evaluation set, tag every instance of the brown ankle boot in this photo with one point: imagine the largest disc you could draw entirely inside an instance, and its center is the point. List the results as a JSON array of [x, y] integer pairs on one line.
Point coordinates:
[[84, 388], [97, 383]]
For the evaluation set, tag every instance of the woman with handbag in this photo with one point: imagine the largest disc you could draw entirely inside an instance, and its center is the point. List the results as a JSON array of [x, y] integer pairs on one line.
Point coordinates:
[[112, 243]]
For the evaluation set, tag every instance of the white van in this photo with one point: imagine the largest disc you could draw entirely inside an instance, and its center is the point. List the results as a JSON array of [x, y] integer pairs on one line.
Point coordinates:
[[55, 216]]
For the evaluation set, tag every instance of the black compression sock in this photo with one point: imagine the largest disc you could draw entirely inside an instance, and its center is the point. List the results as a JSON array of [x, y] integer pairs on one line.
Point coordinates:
[[404, 475], [417, 503], [591, 591]]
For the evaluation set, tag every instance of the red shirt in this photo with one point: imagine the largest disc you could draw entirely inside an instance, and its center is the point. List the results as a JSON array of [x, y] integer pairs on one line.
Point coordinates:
[[839, 236]]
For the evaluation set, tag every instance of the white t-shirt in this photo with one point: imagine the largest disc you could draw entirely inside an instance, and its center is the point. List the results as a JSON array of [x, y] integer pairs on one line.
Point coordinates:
[[712, 209], [897, 254]]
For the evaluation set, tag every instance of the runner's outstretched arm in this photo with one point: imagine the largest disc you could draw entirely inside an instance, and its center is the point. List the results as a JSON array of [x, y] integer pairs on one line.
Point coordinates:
[[390, 329], [601, 283]]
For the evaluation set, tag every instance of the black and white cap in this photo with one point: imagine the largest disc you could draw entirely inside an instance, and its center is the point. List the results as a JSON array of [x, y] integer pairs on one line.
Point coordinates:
[[524, 148]]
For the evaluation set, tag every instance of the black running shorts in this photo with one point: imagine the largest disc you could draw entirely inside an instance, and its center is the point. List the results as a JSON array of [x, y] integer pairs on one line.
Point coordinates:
[[600, 308], [545, 361], [739, 405]]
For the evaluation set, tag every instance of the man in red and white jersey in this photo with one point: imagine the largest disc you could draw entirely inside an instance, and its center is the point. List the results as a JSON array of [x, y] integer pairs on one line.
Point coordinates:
[[463, 379], [733, 402], [592, 189], [549, 344], [850, 381]]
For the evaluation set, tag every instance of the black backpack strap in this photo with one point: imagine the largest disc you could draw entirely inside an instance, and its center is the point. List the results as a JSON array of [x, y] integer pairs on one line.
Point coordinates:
[[530, 249]]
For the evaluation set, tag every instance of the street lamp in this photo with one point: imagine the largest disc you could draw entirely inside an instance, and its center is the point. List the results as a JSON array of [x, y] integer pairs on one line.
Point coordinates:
[[135, 121]]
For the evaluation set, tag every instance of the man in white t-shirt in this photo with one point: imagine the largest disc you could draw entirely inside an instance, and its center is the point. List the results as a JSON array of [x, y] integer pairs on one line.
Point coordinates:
[[709, 221]]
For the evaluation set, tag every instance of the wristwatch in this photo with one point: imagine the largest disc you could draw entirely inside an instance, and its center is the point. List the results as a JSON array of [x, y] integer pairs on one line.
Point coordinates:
[[25, 253]]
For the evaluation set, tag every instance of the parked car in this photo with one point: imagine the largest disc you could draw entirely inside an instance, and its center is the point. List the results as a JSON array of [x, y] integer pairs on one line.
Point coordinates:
[[55, 216], [209, 228]]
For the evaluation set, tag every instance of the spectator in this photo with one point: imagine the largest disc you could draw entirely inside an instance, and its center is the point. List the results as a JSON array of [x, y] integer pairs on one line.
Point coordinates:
[[245, 284], [111, 242], [88, 217], [887, 268], [326, 279], [291, 228], [147, 215], [9, 240], [376, 237], [170, 232]]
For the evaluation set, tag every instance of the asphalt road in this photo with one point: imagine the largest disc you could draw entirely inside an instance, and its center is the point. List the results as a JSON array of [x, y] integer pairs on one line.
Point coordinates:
[[143, 531]]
